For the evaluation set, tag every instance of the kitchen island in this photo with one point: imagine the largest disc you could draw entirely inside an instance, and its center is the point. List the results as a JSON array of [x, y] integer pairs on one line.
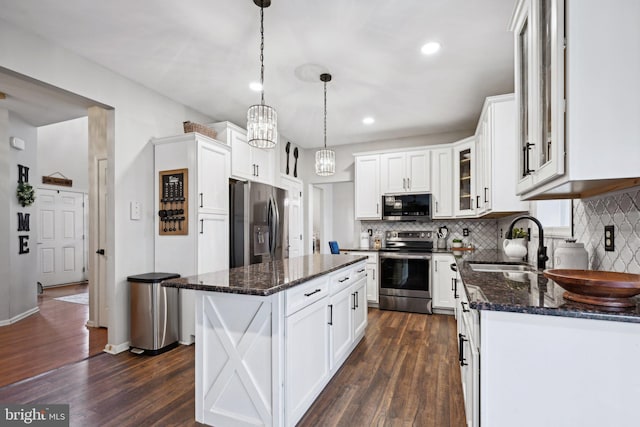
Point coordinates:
[[531, 358], [270, 336]]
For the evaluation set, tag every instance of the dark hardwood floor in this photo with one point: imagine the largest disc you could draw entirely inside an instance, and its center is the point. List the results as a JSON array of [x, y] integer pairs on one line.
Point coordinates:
[[49, 339], [404, 372]]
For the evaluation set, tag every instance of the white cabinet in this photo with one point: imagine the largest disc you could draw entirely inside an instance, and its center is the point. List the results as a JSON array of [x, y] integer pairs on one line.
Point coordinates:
[[576, 105], [296, 219], [360, 309], [464, 189], [469, 358], [442, 280], [495, 150], [367, 187], [306, 358], [340, 324], [407, 171], [442, 183], [372, 273], [247, 162], [208, 168]]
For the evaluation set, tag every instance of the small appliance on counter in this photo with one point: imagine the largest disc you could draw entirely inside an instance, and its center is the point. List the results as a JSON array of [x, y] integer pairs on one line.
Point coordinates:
[[571, 255], [443, 232], [364, 240]]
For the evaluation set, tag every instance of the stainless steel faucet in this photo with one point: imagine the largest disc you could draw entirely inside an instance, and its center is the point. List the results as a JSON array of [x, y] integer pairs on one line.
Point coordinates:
[[542, 249]]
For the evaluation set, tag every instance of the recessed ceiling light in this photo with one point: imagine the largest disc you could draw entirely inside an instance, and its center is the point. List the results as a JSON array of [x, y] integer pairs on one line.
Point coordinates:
[[430, 48], [255, 86], [368, 120]]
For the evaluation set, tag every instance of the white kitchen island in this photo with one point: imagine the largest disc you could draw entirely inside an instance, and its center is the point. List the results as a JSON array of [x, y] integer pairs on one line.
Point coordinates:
[[270, 336]]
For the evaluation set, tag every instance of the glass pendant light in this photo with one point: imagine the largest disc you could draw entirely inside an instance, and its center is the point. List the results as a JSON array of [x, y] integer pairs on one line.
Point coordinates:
[[325, 158], [262, 120]]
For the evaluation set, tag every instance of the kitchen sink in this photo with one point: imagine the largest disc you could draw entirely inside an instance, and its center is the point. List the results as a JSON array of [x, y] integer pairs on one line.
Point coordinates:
[[499, 268], [476, 294]]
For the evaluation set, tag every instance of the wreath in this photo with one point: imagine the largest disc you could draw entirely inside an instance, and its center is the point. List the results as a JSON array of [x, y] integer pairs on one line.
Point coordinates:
[[26, 194]]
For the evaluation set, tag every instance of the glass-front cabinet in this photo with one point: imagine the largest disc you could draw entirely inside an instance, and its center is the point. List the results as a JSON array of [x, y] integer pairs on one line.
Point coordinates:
[[538, 27], [465, 202]]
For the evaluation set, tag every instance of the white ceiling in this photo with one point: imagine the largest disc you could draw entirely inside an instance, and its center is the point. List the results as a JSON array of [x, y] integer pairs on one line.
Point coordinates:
[[205, 53]]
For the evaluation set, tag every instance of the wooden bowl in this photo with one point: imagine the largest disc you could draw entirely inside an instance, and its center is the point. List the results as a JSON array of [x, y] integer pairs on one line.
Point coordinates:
[[607, 288]]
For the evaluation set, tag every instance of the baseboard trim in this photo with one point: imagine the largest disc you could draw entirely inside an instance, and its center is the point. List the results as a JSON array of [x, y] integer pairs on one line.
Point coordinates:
[[19, 317], [116, 348]]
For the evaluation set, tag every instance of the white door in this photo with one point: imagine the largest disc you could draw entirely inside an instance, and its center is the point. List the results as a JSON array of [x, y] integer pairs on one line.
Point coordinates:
[[103, 301], [60, 237], [294, 196]]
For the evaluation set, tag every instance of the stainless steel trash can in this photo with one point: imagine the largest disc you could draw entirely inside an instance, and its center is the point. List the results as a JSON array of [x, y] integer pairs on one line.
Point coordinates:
[[154, 313]]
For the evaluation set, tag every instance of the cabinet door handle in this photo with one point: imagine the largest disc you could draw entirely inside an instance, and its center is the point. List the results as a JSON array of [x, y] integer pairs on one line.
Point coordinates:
[[311, 293], [404, 183], [357, 297], [343, 280], [464, 310], [478, 201], [436, 206], [374, 274], [461, 340], [455, 288], [435, 265], [486, 198], [353, 306], [377, 207], [408, 183], [257, 170], [330, 314], [202, 226], [201, 200], [452, 280]]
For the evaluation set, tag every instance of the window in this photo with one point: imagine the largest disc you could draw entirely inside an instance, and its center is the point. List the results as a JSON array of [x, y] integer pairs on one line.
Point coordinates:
[[556, 217]]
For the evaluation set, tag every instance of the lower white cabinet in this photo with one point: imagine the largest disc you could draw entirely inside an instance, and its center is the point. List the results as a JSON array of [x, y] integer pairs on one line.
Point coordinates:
[[360, 309], [469, 358], [306, 356], [340, 324], [442, 280]]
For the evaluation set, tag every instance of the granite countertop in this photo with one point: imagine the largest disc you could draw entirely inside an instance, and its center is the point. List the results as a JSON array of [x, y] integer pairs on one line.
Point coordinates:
[[266, 278], [527, 292]]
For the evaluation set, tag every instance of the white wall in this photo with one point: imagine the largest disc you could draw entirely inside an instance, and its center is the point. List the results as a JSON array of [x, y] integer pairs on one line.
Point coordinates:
[[18, 286], [140, 114], [63, 147]]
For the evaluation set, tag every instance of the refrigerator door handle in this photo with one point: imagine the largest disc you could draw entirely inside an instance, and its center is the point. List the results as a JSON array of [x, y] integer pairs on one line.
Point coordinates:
[[270, 224], [276, 226]]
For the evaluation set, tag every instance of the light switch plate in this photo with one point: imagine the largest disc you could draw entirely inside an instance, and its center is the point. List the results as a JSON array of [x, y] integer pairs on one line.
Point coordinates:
[[17, 143], [135, 210]]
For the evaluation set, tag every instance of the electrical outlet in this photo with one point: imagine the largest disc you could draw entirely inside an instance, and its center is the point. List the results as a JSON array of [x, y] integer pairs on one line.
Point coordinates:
[[609, 238], [465, 232], [501, 234], [370, 231]]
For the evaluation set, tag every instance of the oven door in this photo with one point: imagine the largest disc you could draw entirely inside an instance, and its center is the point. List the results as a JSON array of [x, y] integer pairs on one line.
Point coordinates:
[[405, 275]]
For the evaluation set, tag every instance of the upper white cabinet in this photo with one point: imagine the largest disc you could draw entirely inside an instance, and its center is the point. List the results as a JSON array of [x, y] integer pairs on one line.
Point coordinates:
[[367, 187], [442, 182], [577, 97], [404, 172], [464, 170], [495, 151], [247, 162]]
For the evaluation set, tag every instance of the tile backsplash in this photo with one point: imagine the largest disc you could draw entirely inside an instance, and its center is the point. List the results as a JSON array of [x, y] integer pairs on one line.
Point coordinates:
[[589, 218], [620, 210], [482, 232]]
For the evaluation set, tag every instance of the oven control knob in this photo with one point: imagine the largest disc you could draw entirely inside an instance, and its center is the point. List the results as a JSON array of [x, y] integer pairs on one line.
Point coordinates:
[[421, 234]]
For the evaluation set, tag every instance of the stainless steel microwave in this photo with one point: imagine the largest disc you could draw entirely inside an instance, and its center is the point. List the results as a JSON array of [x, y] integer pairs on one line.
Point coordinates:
[[406, 207]]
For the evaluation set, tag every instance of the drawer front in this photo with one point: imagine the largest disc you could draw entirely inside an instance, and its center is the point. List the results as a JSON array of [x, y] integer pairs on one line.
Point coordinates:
[[302, 295], [341, 279], [358, 271]]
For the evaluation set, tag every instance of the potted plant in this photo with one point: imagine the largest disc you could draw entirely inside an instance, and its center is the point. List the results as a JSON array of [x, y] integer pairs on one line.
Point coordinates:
[[456, 243], [519, 233]]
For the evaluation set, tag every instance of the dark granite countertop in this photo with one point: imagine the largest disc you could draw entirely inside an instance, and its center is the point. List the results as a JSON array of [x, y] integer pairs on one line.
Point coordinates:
[[266, 278], [527, 292]]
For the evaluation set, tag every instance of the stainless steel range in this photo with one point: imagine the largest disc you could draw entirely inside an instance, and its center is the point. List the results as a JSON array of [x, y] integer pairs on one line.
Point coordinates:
[[405, 271]]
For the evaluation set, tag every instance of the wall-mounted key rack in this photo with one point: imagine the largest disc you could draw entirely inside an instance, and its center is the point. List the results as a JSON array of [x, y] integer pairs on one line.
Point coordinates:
[[174, 202]]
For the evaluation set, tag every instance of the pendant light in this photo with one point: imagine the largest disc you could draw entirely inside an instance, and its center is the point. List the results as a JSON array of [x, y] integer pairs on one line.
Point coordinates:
[[325, 158], [262, 120]]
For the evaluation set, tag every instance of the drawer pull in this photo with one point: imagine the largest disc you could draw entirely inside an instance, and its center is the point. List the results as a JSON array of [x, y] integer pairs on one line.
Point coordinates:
[[311, 293], [361, 271], [464, 310], [343, 280]]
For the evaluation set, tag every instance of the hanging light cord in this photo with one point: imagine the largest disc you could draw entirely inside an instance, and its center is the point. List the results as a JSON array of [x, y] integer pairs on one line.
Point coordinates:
[[262, 54], [325, 115]]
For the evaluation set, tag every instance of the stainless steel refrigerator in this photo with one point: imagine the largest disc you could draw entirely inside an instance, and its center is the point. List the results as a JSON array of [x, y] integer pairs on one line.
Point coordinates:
[[258, 223]]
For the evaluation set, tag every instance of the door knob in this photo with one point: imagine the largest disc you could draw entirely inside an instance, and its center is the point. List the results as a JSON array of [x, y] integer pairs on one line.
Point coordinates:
[[100, 251]]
